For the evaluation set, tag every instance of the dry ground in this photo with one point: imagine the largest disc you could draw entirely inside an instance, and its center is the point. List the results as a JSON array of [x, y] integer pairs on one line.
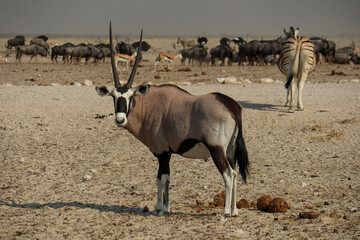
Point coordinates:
[[52, 136]]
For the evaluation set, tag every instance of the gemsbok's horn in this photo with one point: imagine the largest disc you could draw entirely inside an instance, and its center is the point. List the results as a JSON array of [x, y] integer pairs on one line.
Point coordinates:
[[116, 78], [133, 71]]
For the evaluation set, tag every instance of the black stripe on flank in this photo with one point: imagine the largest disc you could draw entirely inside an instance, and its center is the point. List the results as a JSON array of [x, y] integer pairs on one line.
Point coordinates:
[[186, 145]]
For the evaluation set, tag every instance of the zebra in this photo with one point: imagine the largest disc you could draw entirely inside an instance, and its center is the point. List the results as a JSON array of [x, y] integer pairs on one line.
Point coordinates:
[[297, 60]]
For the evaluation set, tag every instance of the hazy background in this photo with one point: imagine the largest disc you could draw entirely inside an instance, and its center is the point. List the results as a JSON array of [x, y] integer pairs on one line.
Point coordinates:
[[180, 17]]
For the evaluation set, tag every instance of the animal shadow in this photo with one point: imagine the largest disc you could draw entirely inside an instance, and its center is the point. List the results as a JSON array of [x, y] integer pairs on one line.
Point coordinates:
[[262, 106], [100, 207]]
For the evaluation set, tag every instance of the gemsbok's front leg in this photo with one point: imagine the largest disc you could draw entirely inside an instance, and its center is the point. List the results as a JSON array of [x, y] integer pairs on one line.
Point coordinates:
[[163, 182]]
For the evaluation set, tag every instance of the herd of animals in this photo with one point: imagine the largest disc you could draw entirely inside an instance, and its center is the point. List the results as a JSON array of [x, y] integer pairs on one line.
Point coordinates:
[[236, 50]]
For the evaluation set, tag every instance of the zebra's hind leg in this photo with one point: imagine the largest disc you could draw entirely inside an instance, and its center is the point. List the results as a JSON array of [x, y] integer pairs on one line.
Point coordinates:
[[300, 86], [287, 104], [292, 95]]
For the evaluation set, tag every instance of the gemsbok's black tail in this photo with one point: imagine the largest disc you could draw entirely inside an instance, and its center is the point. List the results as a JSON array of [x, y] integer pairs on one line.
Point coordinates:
[[241, 156]]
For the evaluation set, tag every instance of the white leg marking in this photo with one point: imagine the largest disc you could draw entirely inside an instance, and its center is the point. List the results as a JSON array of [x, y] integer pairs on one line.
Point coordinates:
[[234, 210], [159, 203], [228, 176], [165, 181]]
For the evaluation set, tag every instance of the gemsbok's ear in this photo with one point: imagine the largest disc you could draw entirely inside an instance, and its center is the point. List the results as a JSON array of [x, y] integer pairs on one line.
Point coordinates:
[[142, 89], [102, 91]]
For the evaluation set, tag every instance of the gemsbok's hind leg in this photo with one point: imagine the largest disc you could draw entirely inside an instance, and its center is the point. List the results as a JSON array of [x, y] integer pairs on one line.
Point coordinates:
[[234, 210], [229, 176], [163, 183]]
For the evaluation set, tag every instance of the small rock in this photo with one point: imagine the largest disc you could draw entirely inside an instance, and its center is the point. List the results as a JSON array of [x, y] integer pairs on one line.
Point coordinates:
[[353, 209], [303, 184], [355, 80], [220, 80], [77, 84], [87, 177], [87, 82], [334, 215], [93, 171], [186, 83], [54, 84], [230, 80], [308, 215], [266, 80], [157, 77], [247, 81]]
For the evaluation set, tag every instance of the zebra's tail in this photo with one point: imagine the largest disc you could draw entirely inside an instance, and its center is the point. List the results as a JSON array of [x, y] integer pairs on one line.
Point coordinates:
[[294, 65]]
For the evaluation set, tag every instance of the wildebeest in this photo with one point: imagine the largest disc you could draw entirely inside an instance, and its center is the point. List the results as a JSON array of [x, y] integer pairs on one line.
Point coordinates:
[[124, 48], [169, 120], [40, 42], [197, 54], [249, 52], [345, 55], [324, 50], [269, 47], [43, 37], [77, 52], [60, 51], [221, 52], [19, 40], [32, 50]]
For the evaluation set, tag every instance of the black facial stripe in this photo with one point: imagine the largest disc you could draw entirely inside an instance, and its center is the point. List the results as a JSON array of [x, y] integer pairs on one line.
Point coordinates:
[[121, 105], [122, 90]]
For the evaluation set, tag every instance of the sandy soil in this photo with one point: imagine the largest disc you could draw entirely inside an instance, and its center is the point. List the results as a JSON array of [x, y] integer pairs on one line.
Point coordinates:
[[67, 172]]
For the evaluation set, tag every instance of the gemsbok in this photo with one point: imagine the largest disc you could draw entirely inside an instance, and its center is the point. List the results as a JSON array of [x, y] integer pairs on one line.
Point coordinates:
[[297, 60], [124, 58], [166, 57], [169, 120]]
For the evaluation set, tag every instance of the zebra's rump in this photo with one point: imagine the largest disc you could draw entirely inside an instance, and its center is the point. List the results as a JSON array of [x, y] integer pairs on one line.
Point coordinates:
[[301, 47]]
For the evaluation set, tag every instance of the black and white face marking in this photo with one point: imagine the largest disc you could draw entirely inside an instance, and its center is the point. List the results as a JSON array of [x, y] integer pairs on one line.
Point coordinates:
[[122, 97]]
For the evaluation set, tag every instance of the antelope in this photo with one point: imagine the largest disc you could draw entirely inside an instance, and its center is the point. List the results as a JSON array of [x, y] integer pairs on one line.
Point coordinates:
[[124, 58], [297, 60], [166, 57], [169, 120]]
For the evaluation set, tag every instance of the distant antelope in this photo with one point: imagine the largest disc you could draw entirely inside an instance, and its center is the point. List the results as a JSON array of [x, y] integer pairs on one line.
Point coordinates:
[[169, 120], [297, 60], [166, 57], [124, 58]]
